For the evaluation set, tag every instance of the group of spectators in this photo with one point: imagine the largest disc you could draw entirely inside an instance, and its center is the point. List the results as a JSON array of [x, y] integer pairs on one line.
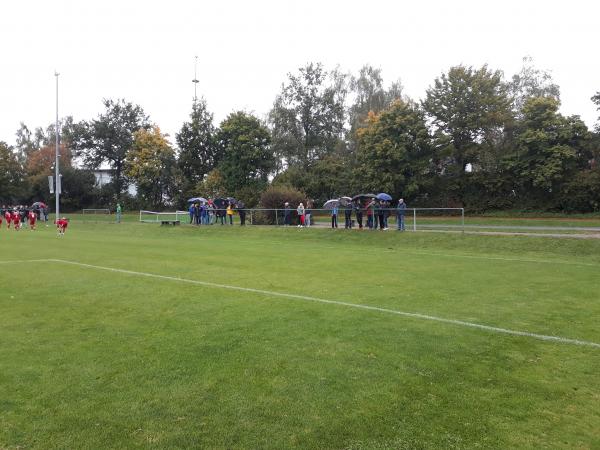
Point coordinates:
[[20, 216], [377, 213], [209, 213]]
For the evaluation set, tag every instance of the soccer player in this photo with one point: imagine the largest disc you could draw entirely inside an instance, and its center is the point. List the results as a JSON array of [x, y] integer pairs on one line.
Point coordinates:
[[61, 225], [16, 219], [8, 217], [32, 219]]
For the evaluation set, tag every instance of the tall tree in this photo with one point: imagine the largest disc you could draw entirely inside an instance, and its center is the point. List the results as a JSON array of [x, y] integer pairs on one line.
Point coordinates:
[[109, 138], [596, 100], [151, 164], [26, 143], [469, 109], [308, 116], [394, 151], [552, 147], [531, 82], [370, 95], [198, 149], [247, 155], [11, 175]]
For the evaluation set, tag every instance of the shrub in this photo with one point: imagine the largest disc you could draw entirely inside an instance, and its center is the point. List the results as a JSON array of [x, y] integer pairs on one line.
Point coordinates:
[[274, 198]]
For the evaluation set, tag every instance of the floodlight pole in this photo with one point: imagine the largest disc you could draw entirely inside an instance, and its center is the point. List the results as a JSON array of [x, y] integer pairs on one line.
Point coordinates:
[[57, 183]]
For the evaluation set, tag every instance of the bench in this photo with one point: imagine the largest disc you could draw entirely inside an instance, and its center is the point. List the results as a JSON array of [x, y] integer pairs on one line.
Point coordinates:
[[170, 222]]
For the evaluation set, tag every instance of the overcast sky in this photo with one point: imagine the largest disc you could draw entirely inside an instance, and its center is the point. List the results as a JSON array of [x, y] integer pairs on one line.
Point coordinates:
[[144, 51]]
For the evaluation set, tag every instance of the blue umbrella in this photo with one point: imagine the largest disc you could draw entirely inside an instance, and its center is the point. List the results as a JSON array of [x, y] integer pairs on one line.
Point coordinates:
[[385, 197], [196, 200]]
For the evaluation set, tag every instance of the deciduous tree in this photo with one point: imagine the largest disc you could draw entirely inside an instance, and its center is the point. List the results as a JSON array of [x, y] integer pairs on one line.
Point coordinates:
[[308, 116], [151, 164], [109, 138], [198, 149], [11, 175], [247, 155], [551, 147], [394, 151], [469, 109]]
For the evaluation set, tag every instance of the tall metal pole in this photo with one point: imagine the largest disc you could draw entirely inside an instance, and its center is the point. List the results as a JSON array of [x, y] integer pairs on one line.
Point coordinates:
[[57, 183], [195, 80]]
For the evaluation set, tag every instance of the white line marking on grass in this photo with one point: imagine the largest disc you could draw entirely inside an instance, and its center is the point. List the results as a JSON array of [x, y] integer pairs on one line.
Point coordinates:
[[20, 261], [541, 337]]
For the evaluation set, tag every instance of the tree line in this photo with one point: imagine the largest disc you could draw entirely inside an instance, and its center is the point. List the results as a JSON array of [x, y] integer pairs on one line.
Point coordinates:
[[477, 139]]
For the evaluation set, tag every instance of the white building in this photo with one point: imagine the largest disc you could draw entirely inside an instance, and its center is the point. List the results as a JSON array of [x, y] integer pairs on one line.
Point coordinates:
[[104, 176]]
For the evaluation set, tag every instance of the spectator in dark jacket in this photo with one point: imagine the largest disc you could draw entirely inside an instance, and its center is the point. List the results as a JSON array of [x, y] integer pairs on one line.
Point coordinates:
[[400, 210], [287, 215], [358, 212], [348, 216]]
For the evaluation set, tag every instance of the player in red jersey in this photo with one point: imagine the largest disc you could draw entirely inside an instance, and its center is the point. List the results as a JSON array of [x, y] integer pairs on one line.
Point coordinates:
[[32, 219], [61, 225], [8, 217], [16, 219]]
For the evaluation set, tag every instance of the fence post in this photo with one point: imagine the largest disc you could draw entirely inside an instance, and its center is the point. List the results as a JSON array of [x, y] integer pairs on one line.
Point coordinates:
[[276, 217], [462, 211], [251, 211], [414, 219]]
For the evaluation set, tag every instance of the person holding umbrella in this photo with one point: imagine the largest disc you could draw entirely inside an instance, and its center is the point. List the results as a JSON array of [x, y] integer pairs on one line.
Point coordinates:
[[382, 210], [192, 212], [348, 216], [358, 212]]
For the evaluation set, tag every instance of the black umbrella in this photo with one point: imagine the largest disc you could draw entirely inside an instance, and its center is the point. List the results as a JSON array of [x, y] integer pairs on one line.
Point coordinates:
[[220, 203], [363, 196], [240, 204]]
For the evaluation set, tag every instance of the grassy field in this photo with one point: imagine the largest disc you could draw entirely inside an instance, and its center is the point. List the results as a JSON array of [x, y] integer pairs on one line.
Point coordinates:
[[183, 337]]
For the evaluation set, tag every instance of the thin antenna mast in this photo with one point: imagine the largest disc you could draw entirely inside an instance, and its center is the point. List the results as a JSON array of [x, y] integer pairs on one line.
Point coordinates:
[[195, 80]]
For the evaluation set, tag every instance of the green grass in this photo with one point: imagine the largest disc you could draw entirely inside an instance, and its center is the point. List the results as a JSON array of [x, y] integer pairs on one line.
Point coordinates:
[[97, 359]]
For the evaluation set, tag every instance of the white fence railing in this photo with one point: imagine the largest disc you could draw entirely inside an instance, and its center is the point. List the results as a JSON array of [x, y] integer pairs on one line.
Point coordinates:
[[413, 218], [157, 217]]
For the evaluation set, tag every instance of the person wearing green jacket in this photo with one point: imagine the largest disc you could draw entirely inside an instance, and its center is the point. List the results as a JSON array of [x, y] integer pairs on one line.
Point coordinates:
[[118, 213]]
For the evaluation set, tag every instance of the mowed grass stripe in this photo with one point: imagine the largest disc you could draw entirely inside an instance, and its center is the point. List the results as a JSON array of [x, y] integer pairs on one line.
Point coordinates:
[[375, 269], [542, 337]]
